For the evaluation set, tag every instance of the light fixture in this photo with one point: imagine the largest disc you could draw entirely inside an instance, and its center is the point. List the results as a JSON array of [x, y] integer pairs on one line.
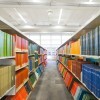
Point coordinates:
[[50, 12], [36, 1], [60, 14], [90, 0], [20, 15]]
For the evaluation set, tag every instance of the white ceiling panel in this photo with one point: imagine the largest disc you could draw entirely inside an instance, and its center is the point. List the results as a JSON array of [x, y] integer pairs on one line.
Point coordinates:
[[35, 18]]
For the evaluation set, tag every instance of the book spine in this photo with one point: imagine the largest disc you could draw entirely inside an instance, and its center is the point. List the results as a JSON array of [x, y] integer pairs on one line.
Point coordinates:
[[2, 44], [91, 44], [5, 44], [99, 40], [96, 46]]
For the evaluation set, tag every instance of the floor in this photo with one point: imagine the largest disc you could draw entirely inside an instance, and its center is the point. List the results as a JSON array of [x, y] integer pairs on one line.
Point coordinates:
[[50, 85]]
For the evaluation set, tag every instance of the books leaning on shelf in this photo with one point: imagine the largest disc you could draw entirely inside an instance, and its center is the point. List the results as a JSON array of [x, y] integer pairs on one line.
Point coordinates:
[[7, 78], [6, 44], [21, 44], [76, 89], [90, 42], [33, 48], [21, 59], [21, 76], [91, 77]]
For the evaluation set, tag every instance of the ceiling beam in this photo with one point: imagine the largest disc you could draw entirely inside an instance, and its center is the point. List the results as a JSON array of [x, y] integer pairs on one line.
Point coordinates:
[[26, 4]]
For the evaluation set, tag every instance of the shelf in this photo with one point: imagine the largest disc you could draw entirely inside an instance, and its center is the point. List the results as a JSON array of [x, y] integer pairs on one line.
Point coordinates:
[[18, 68], [10, 57], [21, 85], [80, 81], [31, 55], [89, 25], [86, 56], [34, 70], [29, 95], [33, 87], [7, 91], [21, 51]]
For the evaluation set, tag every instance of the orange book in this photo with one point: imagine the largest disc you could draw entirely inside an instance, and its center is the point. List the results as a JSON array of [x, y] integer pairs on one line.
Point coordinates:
[[69, 63], [74, 88]]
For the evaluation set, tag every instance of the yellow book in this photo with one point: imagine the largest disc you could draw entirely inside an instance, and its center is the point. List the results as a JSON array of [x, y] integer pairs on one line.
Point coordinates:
[[1, 81]]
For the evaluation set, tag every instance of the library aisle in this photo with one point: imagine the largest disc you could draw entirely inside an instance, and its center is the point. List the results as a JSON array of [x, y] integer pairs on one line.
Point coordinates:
[[50, 85]]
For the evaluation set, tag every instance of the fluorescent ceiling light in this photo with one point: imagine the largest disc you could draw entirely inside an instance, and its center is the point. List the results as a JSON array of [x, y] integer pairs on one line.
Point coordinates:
[[60, 14], [20, 15], [36, 1], [90, 0]]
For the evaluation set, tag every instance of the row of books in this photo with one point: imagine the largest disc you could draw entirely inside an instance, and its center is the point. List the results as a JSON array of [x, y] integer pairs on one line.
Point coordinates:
[[73, 65], [77, 67], [90, 42], [75, 88], [6, 44], [21, 76], [7, 79], [33, 48], [21, 44], [22, 94], [21, 59], [91, 77], [72, 47]]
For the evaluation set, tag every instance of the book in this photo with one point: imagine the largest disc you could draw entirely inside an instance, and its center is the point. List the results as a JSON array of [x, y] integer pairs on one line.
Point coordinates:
[[2, 34], [32, 78], [27, 87], [96, 45], [5, 44], [8, 45], [99, 41]]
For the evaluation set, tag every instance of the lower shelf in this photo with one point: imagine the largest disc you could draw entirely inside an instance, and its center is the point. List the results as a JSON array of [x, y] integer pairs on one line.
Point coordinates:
[[9, 92], [80, 81], [21, 85], [33, 87]]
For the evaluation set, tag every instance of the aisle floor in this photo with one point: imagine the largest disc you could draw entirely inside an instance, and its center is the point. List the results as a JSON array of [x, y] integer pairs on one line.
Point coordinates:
[[50, 85]]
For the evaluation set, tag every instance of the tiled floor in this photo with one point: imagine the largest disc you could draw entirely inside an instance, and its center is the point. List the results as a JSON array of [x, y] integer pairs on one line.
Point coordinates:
[[50, 85]]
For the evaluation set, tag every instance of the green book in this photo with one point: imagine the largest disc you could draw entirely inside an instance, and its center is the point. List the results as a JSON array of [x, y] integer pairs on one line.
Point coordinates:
[[2, 34], [11, 41], [8, 45], [5, 44]]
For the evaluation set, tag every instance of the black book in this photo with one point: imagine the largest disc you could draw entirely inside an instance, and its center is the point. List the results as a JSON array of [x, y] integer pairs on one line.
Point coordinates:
[[96, 45], [99, 40], [27, 87], [93, 42], [81, 40]]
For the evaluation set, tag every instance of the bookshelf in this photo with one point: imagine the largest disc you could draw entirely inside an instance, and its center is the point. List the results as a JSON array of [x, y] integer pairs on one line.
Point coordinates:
[[83, 47], [79, 80], [10, 57], [18, 55]]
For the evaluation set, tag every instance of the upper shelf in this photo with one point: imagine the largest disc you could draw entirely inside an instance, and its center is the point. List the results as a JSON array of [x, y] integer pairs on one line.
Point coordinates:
[[91, 24], [7, 27]]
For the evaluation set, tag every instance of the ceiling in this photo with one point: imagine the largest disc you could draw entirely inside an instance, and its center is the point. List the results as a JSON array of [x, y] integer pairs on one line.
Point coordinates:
[[31, 16]]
